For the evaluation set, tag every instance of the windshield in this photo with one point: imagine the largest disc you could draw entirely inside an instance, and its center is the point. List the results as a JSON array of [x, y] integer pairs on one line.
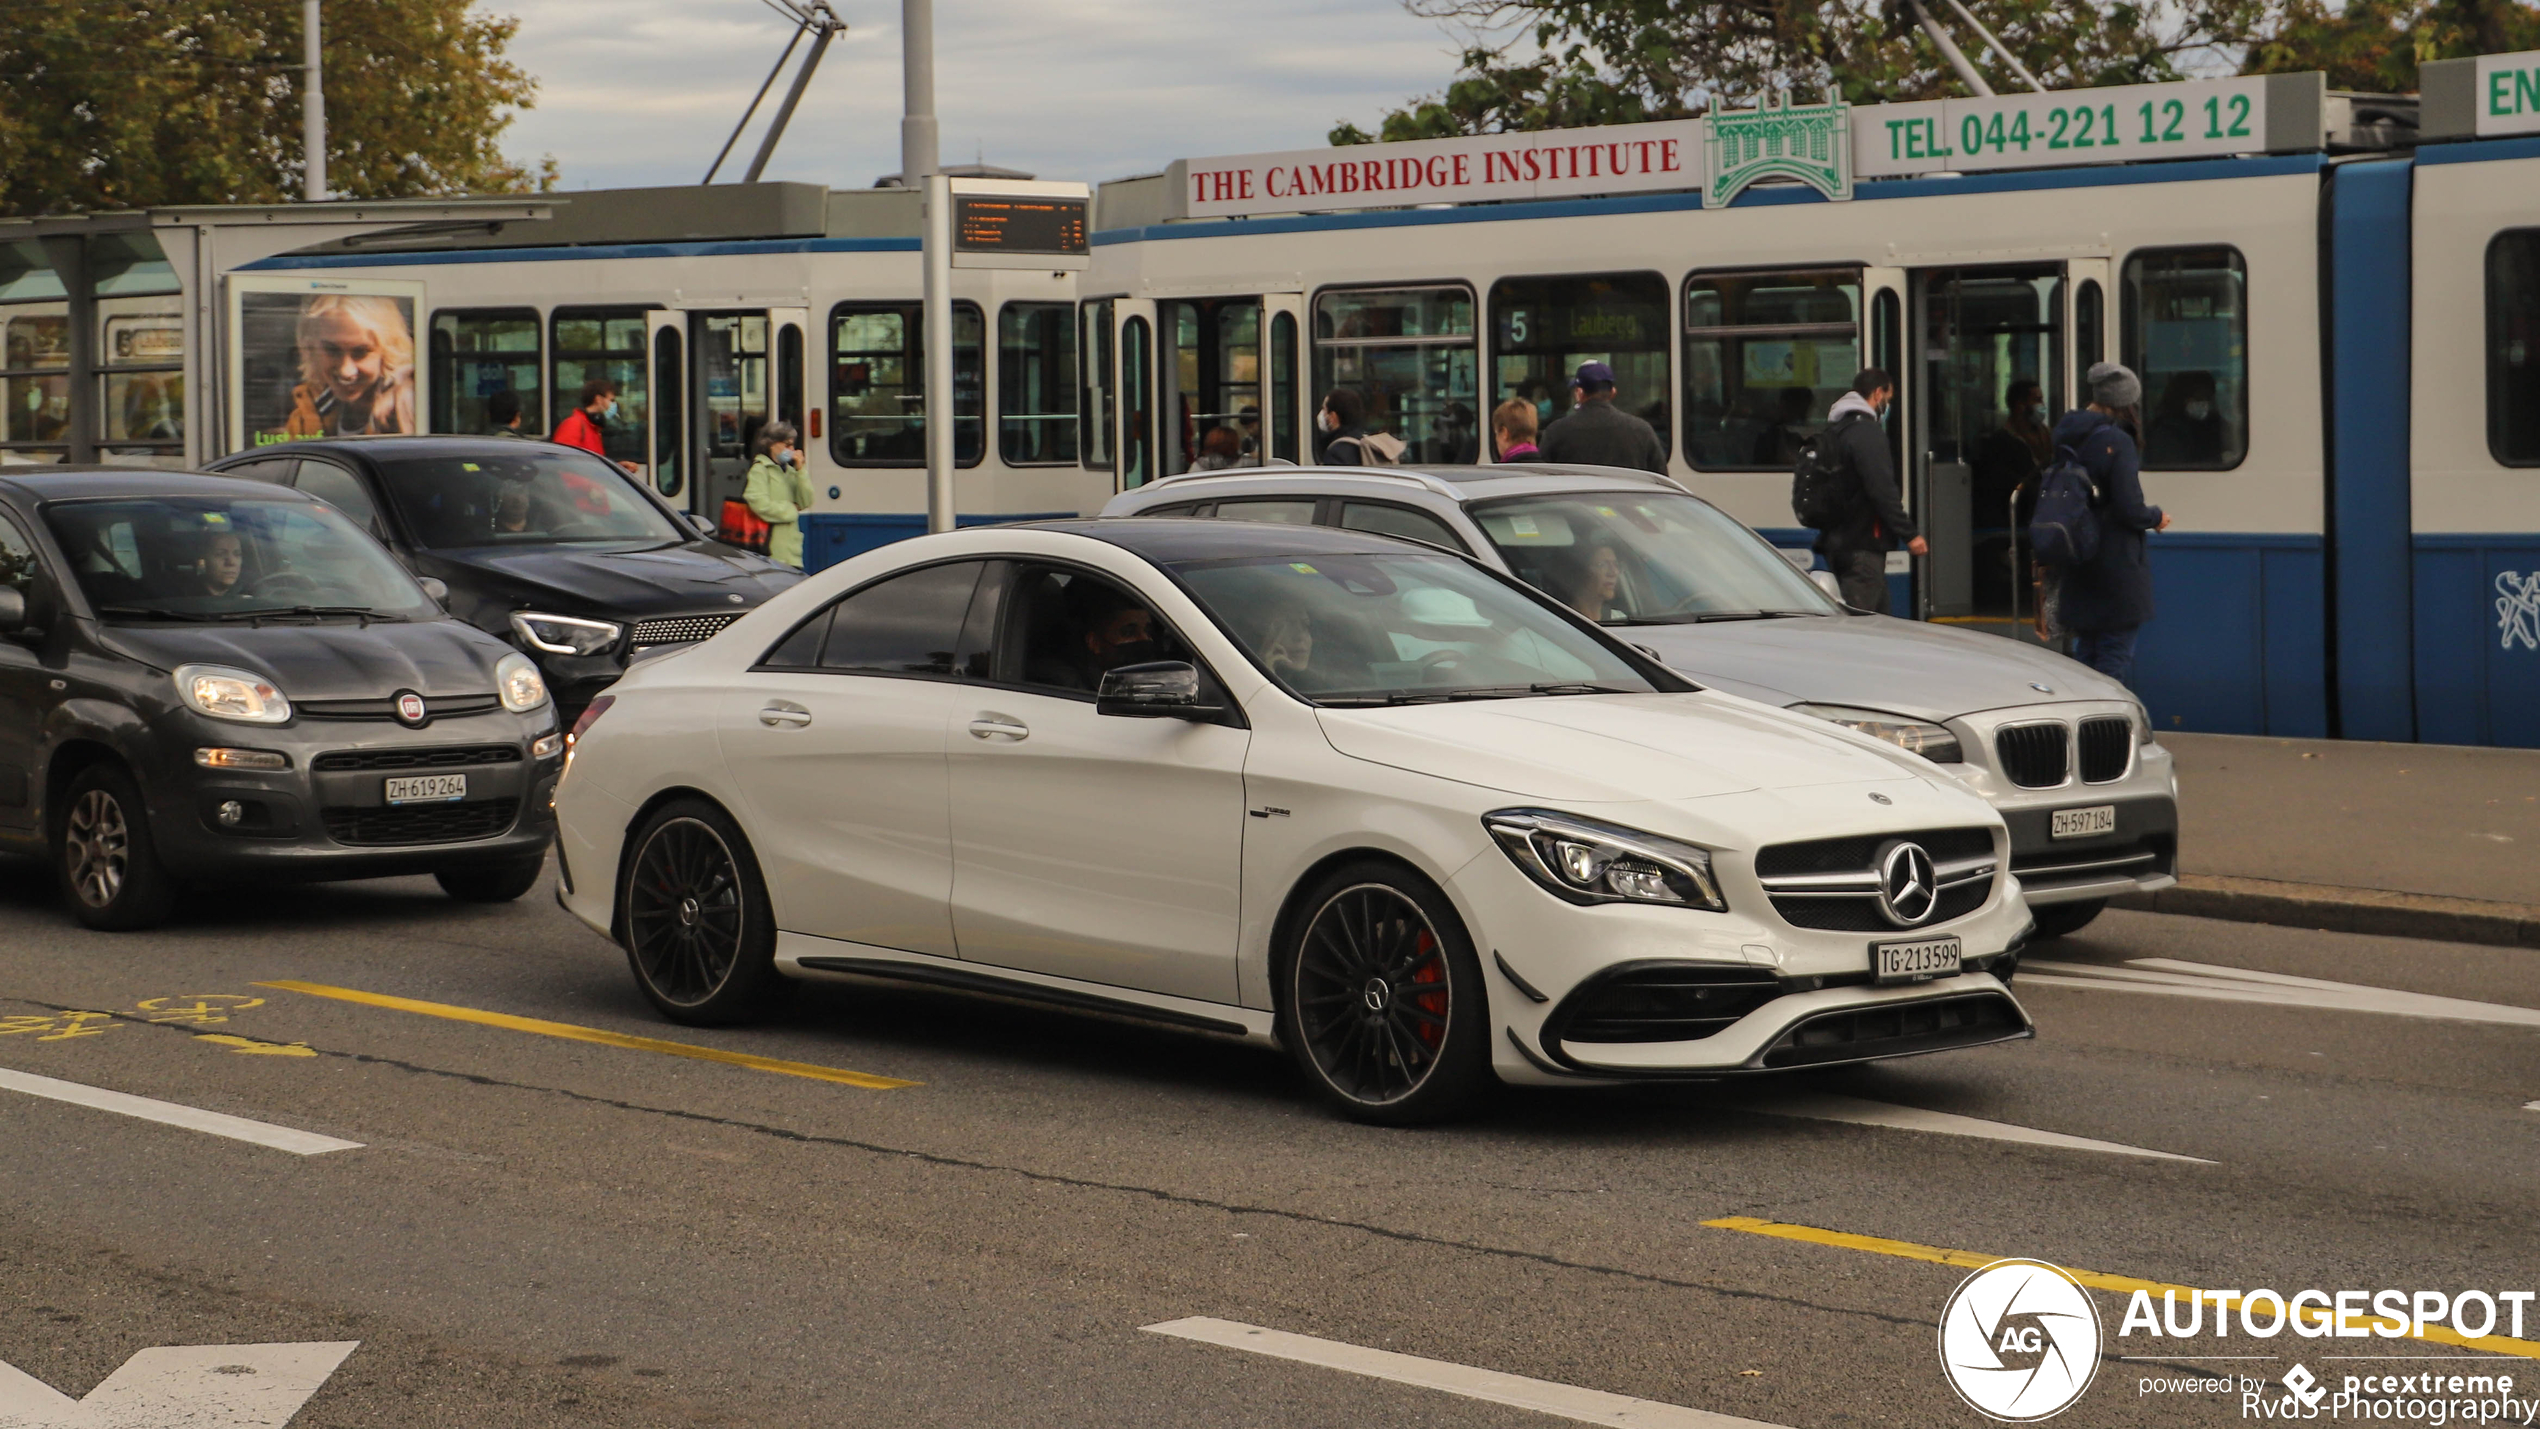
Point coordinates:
[[540, 496], [220, 558], [1656, 559], [1400, 630]]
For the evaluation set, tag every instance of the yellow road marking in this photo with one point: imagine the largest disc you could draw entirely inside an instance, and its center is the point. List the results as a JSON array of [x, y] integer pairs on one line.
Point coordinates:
[[249, 1046], [572, 1033], [2097, 1280]]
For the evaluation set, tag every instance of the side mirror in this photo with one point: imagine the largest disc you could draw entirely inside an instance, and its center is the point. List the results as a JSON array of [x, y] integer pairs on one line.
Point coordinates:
[[1162, 689], [435, 587], [703, 523], [1826, 582], [12, 610]]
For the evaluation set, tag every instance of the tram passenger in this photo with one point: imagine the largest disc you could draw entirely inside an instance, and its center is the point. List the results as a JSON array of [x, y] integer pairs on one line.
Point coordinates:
[[1598, 433], [1856, 546], [1342, 420], [1780, 444], [778, 492], [1219, 448], [582, 428], [2187, 430], [2105, 601], [1512, 428]]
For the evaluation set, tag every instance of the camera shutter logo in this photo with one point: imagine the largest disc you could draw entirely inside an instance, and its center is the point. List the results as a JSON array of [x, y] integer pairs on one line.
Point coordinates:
[[2305, 1385], [2019, 1341]]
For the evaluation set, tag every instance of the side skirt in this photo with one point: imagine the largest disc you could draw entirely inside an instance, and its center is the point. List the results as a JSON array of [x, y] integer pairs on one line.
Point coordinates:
[[803, 954]]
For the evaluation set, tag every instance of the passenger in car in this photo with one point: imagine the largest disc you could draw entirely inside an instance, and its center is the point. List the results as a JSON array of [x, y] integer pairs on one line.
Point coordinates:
[[1287, 643], [1595, 580], [1106, 628]]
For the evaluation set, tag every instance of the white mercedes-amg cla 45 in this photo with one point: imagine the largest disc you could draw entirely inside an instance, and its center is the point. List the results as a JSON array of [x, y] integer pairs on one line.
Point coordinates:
[[1354, 797]]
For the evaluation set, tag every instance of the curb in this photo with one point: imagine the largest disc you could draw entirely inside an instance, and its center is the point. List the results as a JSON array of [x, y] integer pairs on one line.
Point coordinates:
[[2344, 910]]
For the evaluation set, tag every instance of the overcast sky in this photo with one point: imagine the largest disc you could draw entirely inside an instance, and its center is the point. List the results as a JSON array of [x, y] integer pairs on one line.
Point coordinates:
[[644, 91]]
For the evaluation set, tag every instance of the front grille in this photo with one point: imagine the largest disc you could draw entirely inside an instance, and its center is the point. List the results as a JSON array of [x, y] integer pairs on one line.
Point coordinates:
[[1676, 1002], [2034, 756], [338, 761], [672, 629], [385, 707], [422, 824], [2107, 748], [1898, 1029], [1832, 884], [1854, 855], [2047, 868]]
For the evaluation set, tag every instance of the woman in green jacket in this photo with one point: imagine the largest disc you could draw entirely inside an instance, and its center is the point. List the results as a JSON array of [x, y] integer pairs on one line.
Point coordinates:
[[779, 491]]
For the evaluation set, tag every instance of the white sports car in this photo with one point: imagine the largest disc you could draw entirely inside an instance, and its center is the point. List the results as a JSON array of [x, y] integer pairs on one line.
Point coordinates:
[[1352, 796]]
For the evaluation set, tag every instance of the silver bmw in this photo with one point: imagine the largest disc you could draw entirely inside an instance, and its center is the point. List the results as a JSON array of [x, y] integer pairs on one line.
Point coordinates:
[[2066, 754]]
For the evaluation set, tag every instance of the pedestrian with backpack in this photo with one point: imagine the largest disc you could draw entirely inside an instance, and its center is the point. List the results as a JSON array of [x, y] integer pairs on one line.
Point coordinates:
[[2105, 594], [1342, 420], [1845, 487]]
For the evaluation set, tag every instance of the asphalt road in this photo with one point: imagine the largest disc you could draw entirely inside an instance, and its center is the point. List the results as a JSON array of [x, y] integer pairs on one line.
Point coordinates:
[[539, 1231]]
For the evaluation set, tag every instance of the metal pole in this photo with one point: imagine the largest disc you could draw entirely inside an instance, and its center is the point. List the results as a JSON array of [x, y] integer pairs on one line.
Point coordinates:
[[764, 86], [939, 354], [785, 113], [1949, 50], [312, 103], [918, 168], [1997, 46]]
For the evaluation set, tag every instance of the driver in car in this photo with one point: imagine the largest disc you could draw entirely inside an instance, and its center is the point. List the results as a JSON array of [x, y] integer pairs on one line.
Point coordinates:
[[224, 565], [511, 508], [1114, 629]]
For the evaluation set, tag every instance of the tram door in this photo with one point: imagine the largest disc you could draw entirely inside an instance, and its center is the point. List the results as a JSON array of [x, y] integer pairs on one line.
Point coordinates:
[[1988, 377], [1132, 364], [666, 450], [730, 396]]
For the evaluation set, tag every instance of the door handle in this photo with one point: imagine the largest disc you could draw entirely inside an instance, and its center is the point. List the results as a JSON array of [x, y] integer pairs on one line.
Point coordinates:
[[784, 712], [997, 726]]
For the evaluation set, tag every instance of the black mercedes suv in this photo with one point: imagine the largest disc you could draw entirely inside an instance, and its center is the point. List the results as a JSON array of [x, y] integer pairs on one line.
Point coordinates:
[[546, 546], [203, 680]]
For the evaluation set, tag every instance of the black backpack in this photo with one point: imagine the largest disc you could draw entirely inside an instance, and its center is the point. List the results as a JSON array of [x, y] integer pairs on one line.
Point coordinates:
[[1824, 490], [2063, 528]]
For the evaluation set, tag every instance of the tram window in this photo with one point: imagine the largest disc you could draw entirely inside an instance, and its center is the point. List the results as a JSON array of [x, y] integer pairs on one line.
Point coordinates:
[[1212, 400], [1036, 383], [2185, 316], [1137, 385], [669, 430], [1283, 398], [789, 376], [1094, 400], [602, 342], [877, 384], [1410, 353], [732, 393], [1543, 328], [2513, 347], [1766, 354], [476, 353], [2090, 325]]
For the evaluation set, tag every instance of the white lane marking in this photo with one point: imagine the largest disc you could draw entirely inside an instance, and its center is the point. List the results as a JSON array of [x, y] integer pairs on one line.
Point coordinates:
[[236, 1128], [1819, 1106], [193, 1386], [2172, 978], [1588, 1406]]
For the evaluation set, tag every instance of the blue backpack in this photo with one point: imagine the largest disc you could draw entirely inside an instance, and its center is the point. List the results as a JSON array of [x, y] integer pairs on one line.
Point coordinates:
[[2063, 529]]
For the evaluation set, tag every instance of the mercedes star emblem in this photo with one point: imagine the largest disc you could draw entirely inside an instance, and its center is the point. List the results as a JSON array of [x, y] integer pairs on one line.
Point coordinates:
[[1909, 891]]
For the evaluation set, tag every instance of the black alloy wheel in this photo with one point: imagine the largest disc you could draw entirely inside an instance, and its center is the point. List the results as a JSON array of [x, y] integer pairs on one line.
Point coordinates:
[[2055, 920], [107, 863], [1383, 1003], [699, 933]]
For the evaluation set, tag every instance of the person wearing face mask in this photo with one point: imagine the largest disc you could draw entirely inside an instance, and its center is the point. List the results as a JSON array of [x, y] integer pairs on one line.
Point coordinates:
[[779, 491], [2188, 431], [583, 428]]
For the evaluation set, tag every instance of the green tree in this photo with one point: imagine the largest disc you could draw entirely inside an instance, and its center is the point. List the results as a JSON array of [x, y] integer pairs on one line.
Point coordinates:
[[2376, 45], [111, 104], [1560, 63]]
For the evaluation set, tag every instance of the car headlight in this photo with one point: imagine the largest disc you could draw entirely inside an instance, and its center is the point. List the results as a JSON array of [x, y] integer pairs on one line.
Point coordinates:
[[1914, 736], [517, 681], [224, 693], [2142, 726], [1582, 861], [563, 634]]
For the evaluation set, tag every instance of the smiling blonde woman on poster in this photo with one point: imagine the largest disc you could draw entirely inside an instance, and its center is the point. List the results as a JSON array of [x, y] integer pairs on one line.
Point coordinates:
[[357, 368]]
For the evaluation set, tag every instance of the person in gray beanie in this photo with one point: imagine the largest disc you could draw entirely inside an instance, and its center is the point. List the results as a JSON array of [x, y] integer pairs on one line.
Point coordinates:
[[2106, 600]]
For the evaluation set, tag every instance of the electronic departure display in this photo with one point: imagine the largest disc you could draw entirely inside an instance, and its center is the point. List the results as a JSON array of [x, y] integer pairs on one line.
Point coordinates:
[[1014, 223]]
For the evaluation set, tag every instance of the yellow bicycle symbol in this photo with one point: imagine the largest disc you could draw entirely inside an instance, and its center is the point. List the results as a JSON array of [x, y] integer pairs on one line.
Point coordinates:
[[199, 1008]]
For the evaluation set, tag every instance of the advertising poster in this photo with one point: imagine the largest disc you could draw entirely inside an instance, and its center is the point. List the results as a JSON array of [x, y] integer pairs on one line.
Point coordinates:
[[322, 357]]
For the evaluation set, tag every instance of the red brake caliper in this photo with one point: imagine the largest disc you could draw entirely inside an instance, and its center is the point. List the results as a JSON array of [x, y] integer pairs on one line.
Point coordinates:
[[1432, 969]]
